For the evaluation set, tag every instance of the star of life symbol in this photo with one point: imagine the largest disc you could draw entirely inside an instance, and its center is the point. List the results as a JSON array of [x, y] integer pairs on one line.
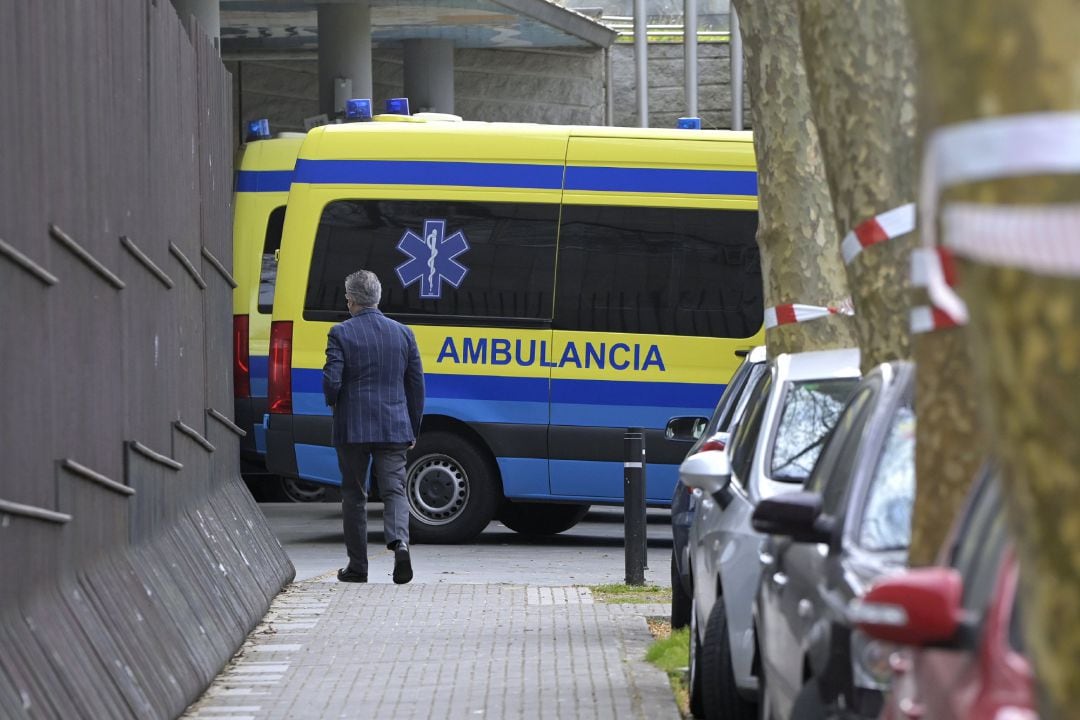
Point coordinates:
[[432, 258]]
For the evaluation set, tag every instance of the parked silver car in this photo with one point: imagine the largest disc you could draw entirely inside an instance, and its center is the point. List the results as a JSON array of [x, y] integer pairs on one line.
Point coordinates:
[[788, 416], [715, 435]]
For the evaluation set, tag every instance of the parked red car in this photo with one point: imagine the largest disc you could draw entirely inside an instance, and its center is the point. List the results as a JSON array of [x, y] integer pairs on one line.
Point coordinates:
[[960, 624]]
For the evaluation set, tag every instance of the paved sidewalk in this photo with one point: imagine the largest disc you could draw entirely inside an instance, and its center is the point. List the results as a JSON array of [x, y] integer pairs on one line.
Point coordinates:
[[334, 650]]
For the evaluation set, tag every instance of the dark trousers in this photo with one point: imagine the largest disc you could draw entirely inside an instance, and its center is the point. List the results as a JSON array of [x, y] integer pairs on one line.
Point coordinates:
[[389, 473]]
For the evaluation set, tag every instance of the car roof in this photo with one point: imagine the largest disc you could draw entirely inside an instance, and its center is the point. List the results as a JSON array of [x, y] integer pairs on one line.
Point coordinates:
[[757, 355], [818, 365]]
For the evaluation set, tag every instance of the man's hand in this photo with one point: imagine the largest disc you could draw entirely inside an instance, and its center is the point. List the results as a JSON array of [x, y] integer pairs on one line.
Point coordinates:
[[412, 444]]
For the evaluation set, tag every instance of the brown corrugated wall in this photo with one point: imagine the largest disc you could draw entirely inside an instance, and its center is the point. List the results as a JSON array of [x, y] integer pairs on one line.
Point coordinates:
[[132, 560]]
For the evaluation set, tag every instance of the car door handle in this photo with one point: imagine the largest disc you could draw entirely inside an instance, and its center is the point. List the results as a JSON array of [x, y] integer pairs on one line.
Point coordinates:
[[779, 579]]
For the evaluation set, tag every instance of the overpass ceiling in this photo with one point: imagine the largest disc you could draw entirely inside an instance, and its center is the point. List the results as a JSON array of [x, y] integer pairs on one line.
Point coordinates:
[[259, 26]]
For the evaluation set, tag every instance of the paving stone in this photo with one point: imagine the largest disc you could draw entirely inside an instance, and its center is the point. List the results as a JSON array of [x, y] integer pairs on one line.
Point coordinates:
[[327, 650]]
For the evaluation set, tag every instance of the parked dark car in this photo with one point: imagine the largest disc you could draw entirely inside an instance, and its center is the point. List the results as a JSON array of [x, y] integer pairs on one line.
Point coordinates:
[[716, 433], [961, 624], [850, 525]]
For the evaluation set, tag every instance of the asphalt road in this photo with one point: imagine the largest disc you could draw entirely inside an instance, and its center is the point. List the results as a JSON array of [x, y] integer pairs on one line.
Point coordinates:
[[589, 554]]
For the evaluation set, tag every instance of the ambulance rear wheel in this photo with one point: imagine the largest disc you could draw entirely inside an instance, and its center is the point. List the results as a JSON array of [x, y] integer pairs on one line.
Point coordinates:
[[451, 488], [541, 518]]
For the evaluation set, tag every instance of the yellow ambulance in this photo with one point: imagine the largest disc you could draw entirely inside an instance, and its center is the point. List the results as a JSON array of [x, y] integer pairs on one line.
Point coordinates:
[[564, 284]]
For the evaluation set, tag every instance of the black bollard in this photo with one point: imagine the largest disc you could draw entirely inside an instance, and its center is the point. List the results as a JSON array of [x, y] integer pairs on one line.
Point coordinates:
[[634, 505]]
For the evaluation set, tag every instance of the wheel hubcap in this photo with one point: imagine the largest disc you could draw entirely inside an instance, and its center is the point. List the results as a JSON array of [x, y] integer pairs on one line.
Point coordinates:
[[302, 491], [438, 489]]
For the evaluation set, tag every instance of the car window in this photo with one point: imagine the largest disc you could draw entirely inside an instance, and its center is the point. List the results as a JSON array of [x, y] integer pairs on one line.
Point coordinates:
[[727, 400], [268, 267], [1016, 627], [810, 409], [742, 445], [980, 543], [886, 521], [737, 412], [844, 439]]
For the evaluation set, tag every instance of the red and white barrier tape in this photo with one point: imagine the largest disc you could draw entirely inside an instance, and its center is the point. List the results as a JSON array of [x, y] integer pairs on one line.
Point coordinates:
[[1043, 239], [931, 265], [884, 226], [791, 313], [990, 149]]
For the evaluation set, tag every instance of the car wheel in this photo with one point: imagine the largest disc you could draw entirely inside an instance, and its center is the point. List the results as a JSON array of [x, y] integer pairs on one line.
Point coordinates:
[[722, 698], [697, 704], [530, 518], [451, 488], [808, 704], [301, 491], [680, 600]]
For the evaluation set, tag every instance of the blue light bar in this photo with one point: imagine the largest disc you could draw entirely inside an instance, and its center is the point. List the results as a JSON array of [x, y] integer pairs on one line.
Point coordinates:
[[689, 123], [258, 129], [358, 109], [397, 106]]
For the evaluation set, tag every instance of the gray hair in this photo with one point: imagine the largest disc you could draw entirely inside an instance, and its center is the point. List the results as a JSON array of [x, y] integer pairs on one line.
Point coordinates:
[[363, 288]]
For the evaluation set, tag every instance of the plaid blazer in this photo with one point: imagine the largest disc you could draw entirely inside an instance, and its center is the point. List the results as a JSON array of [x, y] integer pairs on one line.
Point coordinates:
[[373, 380]]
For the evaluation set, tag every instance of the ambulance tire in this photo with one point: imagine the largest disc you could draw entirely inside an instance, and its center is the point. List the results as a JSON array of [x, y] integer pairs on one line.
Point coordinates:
[[452, 489], [530, 518]]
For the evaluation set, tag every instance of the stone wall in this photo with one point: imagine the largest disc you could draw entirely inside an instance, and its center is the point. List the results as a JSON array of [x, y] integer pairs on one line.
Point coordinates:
[[554, 86], [667, 96]]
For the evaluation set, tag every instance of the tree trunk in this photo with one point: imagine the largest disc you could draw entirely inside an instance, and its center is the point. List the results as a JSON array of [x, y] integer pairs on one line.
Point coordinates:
[[1001, 59], [800, 257], [860, 63]]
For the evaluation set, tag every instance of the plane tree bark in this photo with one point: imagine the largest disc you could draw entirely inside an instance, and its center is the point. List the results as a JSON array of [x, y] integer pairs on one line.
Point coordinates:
[[860, 67], [1005, 59], [796, 231]]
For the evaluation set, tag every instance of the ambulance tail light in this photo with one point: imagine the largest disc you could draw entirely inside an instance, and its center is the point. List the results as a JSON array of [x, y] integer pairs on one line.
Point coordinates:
[[280, 376], [241, 359]]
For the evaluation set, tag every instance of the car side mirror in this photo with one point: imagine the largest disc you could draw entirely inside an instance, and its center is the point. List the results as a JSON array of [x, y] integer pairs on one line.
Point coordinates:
[[797, 514], [707, 471], [916, 607], [685, 429]]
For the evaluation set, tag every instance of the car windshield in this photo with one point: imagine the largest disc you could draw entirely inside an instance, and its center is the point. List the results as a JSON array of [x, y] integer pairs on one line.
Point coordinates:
[[810, 410], [886, 523]]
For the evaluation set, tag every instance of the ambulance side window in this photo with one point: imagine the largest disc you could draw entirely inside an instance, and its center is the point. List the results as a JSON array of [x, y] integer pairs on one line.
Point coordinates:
[[506, 271], [669, 271], [268, 273]]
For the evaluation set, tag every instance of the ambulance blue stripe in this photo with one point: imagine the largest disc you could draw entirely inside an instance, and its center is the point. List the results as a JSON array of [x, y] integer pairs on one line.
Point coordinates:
[[263, 180], [259, 366], [307, 381], [410, 172], [602, 480], [656, 180], [635, 392], [622, 416], [527, 176]]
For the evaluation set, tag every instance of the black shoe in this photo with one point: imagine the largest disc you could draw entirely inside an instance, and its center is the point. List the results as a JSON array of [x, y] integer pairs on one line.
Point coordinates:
[[402, 564], [347, 575]]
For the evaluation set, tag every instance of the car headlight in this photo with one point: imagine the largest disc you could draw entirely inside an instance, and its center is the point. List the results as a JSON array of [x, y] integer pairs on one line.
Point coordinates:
[[870, 662]]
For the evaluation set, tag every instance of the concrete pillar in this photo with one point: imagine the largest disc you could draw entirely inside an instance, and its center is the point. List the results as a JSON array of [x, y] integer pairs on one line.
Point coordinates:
[[344, 54], [429, 75], [641, 62], [206, 12], [690, 62], [736, 60]]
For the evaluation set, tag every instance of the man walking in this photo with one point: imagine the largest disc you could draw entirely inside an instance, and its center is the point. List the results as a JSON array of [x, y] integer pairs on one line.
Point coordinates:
[[374, 382]]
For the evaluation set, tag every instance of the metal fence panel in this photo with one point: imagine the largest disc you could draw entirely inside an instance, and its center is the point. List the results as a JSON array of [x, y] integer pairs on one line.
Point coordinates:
[[134, 560]]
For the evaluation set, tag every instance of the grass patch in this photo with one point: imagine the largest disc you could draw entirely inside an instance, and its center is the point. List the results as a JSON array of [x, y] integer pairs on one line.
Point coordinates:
[[626, 594], [671, 652]]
